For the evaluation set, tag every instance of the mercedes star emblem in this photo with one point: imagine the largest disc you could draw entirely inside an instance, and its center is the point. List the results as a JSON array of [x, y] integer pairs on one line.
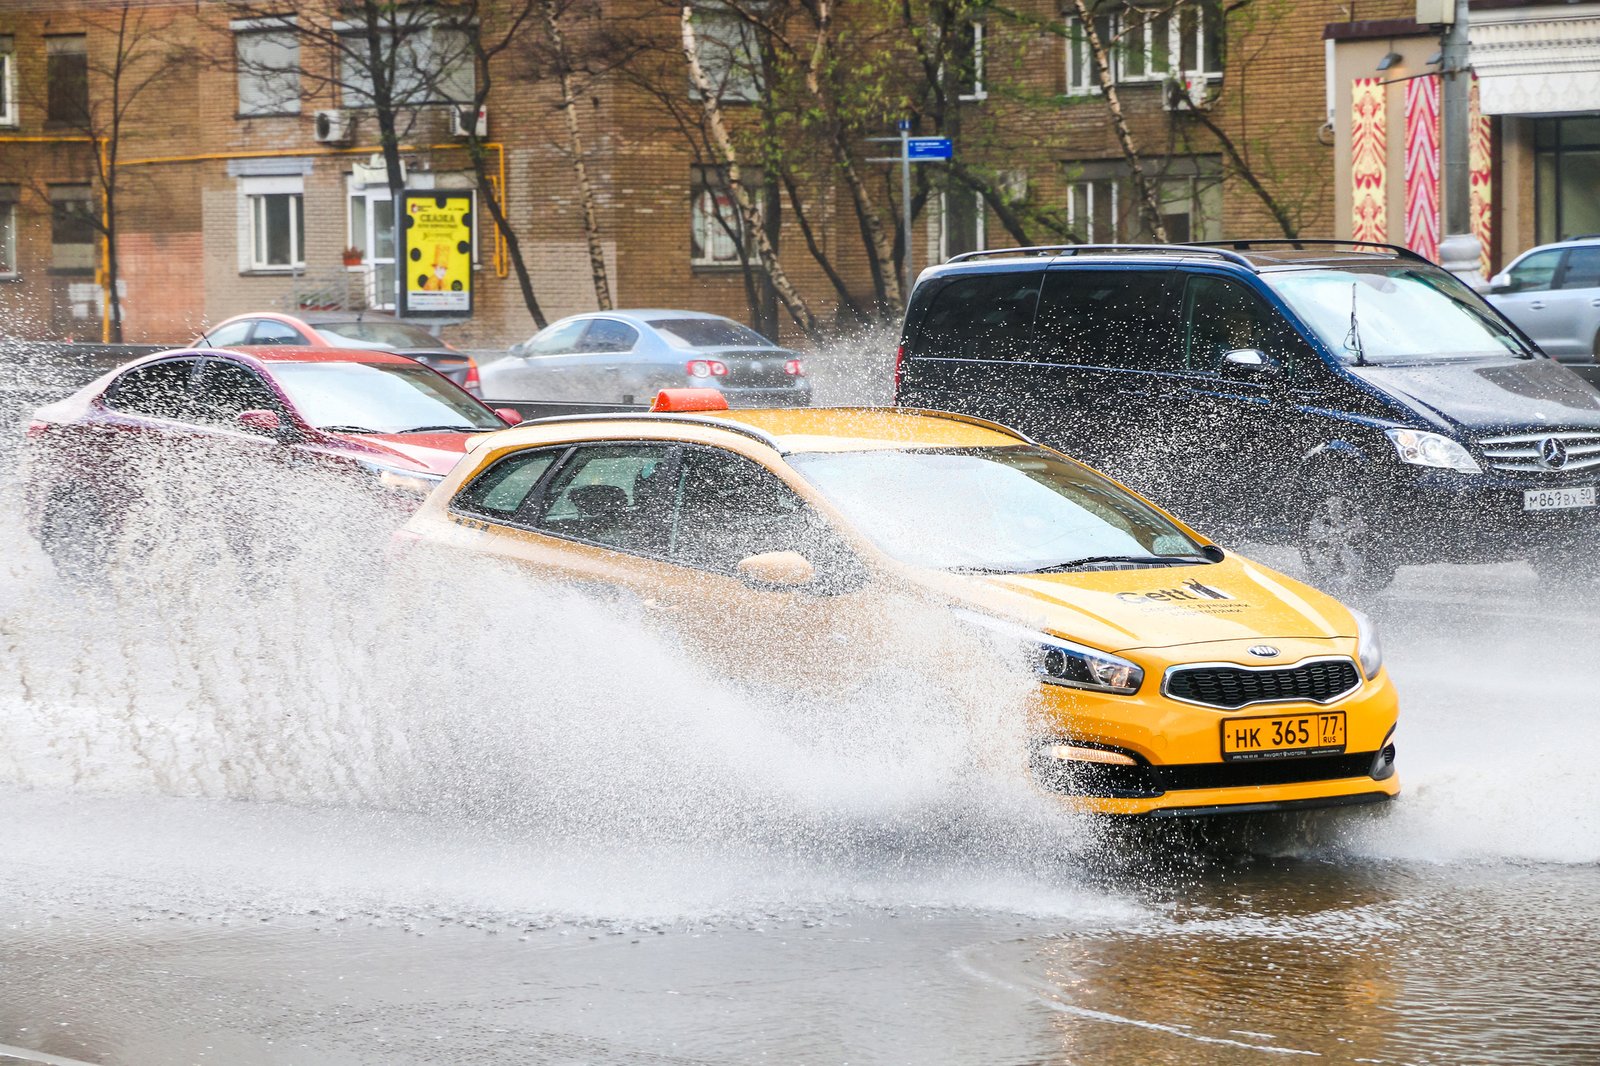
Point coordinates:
[[1553, 453]]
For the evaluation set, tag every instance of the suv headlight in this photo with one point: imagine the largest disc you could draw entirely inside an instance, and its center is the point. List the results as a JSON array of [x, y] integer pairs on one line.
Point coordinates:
[[1059, 661], [1368, 648], [1420, 448]]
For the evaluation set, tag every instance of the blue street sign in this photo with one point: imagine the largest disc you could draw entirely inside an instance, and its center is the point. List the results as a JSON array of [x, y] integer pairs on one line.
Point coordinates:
[[922, 148], [903, 124]]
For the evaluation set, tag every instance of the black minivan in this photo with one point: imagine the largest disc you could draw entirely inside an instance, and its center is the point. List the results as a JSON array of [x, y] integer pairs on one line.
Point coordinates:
[[1353, 399]]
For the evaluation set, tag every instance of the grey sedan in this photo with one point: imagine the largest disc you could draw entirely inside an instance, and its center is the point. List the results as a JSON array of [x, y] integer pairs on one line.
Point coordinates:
[[1553, 294], [626, 357]]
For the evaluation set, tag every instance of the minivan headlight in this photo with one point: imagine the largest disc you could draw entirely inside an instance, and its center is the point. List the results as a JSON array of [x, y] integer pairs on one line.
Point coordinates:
[[1059, 661], [1368, 648], [1421, 448]]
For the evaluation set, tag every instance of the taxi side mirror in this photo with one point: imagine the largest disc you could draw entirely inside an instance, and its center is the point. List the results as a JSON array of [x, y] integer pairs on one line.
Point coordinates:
[[776, 570]]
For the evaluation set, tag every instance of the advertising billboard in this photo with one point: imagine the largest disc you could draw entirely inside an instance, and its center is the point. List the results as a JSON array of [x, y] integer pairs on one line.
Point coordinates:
[[436, 251]]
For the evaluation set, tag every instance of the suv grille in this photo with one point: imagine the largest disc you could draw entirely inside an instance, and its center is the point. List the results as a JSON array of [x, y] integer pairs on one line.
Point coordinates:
[[1228, 687], [1529, 453]]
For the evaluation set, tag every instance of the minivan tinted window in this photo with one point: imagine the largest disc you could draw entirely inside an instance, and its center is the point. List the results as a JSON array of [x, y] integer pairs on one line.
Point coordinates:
[[1118, 319], [981, 316]]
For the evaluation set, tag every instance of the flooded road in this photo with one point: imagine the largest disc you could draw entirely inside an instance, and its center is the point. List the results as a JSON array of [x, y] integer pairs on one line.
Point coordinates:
[[308, 819]]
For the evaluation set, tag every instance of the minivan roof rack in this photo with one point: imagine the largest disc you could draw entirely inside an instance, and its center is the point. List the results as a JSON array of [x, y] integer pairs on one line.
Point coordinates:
[[1077, 249], [1313, 242]]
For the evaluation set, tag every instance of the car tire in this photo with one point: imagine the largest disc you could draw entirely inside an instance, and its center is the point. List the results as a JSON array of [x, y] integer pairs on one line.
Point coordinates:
[[73, 533], [1567, 566], [1343, 554]]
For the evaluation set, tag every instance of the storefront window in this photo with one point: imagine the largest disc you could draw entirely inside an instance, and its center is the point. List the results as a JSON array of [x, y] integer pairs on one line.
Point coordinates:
[[1567, 166]]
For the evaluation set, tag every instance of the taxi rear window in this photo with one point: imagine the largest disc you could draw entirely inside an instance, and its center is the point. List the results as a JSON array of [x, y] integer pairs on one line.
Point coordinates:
[[506, 486]]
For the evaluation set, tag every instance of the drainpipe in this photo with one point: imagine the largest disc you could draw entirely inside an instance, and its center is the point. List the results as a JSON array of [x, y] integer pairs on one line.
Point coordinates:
[[1459, 250]]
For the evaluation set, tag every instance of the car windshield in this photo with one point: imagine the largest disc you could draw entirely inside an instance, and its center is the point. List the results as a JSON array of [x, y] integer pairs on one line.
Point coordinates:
[[379, 398], [1005, 509], [706, 333], [375, 334], [1395, 314]]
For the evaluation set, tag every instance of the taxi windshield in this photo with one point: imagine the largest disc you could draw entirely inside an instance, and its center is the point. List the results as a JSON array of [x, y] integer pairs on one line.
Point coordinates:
[[1395, 314], [380, 398], [1004, 510]]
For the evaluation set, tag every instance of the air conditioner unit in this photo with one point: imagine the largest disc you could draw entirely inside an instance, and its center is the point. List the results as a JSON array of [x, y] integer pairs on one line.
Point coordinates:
[[459, 116], [1190, 92], [334, 127]]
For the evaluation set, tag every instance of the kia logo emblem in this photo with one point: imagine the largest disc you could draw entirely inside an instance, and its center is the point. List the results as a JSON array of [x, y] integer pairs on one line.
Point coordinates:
[[1264, 651], [1553, 453]]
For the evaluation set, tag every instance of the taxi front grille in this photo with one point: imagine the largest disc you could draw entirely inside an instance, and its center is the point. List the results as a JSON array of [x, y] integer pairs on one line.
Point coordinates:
[[1542, 452], [1231, 687]]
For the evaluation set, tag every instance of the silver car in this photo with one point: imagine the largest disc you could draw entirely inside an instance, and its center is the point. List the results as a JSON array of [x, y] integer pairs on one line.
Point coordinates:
[[1553, 294], [626, 357]]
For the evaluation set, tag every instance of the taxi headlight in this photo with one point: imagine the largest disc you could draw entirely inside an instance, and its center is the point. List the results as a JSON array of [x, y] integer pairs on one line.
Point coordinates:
[[1368, 648], [1420, 448], [410, 482], [1059, 661]]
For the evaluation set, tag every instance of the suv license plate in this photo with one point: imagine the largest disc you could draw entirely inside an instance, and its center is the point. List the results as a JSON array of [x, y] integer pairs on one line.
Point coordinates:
[[1557, 499], [1282, 736]]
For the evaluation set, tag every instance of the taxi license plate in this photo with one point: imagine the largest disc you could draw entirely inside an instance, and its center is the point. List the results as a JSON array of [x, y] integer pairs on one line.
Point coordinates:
[[1284, 736], [1557, 499]]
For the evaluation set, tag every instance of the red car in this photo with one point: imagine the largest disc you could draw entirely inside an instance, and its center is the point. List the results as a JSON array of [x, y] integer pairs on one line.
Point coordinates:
[[380, 417], [345, 329]]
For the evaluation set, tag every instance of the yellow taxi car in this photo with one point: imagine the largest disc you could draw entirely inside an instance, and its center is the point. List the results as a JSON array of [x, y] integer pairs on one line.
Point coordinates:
[[1174, 678]]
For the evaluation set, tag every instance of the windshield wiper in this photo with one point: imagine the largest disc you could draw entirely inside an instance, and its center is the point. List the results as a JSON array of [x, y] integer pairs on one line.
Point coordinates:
[[458, 428], [349, 429], [1090, 560], [1352, 341]]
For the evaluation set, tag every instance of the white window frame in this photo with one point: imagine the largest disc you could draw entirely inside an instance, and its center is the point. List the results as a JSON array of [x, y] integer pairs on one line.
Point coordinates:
[[980, 223], [422, 42], [1089, 188], [8, 240], [366, 239], [253, 193], [8, 83], [703, 192], [267, 27], [732, 62], [978, 91], [1081, 79]]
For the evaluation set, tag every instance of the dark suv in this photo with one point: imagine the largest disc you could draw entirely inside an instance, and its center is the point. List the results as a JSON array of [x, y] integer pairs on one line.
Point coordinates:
[[1353, 399]]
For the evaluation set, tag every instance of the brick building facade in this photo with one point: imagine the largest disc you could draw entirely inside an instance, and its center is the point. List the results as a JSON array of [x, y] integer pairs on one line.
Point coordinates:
[[228, 201]]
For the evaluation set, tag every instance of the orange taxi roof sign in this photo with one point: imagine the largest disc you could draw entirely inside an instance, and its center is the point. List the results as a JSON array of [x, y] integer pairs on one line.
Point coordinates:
[[679, 400]]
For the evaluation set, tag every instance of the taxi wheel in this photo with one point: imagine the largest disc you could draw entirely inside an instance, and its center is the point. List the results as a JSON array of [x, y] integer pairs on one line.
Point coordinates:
[[1342, 553]]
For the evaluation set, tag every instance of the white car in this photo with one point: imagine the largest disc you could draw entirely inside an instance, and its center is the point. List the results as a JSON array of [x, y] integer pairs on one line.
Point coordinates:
[[626, 357], [1552, 293]]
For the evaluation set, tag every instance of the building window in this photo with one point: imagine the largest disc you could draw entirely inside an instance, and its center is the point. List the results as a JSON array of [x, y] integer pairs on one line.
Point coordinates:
[[1567, 177], [67, 80], [730, 55], [8, 231], [969, 63], [72, 227], [1179, 42], [433, 64], [1103, 207], [273, 229], [8, 81], [963, 222], [715, 226], [267, 55]]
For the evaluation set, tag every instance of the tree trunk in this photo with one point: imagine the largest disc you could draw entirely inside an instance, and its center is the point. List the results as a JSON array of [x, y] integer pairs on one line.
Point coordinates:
[[569, 108], [1149, 205], [750, 212]]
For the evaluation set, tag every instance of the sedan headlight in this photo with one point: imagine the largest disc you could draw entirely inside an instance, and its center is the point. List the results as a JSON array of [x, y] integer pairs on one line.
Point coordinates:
[[1420, 448], [1368, 648], [1059, 661], [410, 482]]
